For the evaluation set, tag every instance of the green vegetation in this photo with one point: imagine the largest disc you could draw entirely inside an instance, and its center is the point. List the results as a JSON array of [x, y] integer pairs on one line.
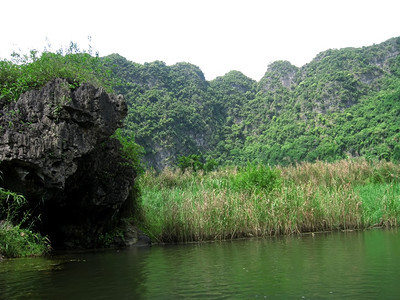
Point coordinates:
[[344, 103], [195, 163], [16, 238], [32, 71], [259, 201], [130, 151], [310, 121]]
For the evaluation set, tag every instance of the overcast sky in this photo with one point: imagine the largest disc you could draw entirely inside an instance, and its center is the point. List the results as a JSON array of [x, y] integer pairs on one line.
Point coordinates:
[[216, 35]]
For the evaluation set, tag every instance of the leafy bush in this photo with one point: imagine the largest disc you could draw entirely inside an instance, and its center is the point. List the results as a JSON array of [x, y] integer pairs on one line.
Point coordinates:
[[19, 242], [210, 165], [32, 71], [257, 177], [195, 163], [130, 151], [192, 162]]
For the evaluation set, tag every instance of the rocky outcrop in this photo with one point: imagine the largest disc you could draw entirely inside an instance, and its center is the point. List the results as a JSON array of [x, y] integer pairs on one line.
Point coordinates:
[[55, 148], [279, 74]]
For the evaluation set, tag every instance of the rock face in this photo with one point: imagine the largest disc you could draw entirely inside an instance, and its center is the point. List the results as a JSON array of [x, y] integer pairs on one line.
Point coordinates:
[[55, 148]]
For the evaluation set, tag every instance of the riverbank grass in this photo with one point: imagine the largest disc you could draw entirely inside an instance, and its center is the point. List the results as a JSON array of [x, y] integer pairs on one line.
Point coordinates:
[[256, 201], [21, 242], [16, 238]]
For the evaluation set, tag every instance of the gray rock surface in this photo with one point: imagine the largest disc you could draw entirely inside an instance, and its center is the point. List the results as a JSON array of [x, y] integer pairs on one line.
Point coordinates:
[[55, 148]]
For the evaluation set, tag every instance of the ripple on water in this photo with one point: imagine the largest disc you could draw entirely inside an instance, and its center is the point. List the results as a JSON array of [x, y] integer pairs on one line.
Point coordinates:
[[358, 265]]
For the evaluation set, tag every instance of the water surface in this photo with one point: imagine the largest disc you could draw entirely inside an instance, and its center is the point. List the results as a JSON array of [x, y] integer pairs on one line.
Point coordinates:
[[342, 265]]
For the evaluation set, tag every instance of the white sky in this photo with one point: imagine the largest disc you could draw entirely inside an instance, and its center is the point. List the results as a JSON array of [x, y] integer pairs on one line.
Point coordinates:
[[216, 35]]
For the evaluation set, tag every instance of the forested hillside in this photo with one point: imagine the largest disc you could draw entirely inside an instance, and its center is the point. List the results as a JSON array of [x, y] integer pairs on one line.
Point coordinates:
[[343, 103]]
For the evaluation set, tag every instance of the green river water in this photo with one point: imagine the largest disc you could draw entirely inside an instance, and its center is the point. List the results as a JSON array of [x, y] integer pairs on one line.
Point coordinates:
[[341, 265]]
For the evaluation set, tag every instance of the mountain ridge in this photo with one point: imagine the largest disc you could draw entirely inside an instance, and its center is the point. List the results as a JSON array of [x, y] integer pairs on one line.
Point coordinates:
[[291, 114]]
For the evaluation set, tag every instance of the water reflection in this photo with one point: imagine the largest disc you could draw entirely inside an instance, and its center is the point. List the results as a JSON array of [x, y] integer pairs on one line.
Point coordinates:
[[352, 265]]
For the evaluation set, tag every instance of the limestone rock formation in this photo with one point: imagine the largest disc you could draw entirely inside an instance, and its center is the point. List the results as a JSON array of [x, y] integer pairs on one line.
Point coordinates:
[[55, 148]]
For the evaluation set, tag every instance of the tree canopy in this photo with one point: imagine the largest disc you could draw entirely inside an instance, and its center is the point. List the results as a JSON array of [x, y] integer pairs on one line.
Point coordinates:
[[343, 103]]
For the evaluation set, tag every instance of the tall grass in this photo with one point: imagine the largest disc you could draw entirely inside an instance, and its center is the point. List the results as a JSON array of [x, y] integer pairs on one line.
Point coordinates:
[[17, 239], [259, 201]]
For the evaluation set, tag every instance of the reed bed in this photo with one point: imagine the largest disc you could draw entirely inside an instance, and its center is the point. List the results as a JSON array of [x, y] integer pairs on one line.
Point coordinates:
[[257, 201]]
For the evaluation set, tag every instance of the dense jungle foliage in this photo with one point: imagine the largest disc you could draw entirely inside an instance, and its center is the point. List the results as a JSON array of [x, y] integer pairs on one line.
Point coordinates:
[[344, 103]]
